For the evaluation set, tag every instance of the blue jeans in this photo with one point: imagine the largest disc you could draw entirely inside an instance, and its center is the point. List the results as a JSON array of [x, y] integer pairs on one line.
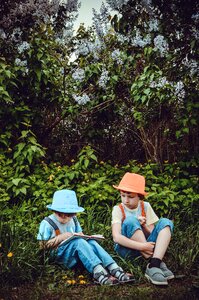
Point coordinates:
[[130, 225], [89, 252]]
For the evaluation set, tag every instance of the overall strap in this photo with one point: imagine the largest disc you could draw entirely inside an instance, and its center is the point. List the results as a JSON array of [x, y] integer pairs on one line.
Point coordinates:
[[143, 213], [142, 209], [52, 223], [123, 212], [76, 223]]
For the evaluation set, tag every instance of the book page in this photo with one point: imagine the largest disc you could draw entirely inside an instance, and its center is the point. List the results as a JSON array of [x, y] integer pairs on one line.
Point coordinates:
[[97, 237]]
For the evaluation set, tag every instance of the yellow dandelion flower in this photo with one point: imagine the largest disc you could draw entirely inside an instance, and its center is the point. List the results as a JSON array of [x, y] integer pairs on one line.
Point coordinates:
[[81, 276], [10, 254], [50, 178], [82, 282], [64, 277], [101, 162], [73, 281], [69, 281], [72, 160], [166, 161]]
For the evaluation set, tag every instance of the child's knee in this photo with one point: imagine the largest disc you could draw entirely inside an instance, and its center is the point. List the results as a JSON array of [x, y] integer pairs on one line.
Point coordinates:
[[164, 222], [79, 243], [130, 225]]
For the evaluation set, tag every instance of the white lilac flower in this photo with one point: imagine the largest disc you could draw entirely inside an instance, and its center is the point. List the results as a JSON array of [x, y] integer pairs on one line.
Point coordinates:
[[20, 63], [116, 56], [82, 48], [81, 99], [103, 79], [179, 91], [192, 65], [139, 41], [153, 25], [24, 46], [116, 4], [122, 38], [160, 83], [161, 45], [195, 17], [100, 21], [78, 75]]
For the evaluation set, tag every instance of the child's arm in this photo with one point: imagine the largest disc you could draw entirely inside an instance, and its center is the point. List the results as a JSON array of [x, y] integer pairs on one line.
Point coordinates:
[[54, 242], [147, 229], [118, 238]]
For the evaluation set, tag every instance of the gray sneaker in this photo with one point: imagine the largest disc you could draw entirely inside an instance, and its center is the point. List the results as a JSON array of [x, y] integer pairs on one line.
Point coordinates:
[[156, 276], [167, 273]]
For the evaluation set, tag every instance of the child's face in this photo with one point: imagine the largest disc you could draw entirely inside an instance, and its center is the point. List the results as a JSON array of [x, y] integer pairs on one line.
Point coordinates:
[[129, 199], [63, 217]]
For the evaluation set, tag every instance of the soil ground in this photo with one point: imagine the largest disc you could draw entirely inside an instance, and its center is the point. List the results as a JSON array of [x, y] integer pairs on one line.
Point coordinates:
[[177, 289]]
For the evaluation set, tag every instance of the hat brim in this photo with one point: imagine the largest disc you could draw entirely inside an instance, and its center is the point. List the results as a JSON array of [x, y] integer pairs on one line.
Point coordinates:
[[66, 210], [126, 189]]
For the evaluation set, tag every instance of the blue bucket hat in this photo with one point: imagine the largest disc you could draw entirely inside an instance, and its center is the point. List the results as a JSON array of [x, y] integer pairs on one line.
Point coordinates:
[[65, 201]]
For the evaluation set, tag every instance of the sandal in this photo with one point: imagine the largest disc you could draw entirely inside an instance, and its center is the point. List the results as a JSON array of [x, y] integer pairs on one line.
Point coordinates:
[[105, 279], [121, 276]]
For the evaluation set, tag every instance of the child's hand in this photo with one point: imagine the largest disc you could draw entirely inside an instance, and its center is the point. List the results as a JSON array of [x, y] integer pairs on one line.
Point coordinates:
[[148, 247], [142, 220], [65, 235]]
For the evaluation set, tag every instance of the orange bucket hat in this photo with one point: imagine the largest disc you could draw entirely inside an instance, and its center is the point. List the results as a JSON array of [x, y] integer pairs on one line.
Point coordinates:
[[132, 182]]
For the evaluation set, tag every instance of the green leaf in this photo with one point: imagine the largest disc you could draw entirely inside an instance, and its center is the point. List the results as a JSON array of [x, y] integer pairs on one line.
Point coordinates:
[[16, 181], [86, 163]]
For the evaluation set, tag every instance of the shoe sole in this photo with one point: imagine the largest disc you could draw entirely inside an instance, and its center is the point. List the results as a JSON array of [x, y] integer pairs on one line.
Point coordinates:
[[127, 281], [156, 282], [170, 277], [98, 283]]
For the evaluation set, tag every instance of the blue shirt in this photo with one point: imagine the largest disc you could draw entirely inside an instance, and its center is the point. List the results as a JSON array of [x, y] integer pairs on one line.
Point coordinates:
[[47, 232]]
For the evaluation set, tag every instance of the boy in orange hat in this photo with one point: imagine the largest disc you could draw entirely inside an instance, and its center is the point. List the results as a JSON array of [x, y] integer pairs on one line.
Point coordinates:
[[136, 229]]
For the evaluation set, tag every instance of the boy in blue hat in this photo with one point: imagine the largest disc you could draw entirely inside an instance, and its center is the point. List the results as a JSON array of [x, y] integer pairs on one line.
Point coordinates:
[[61, 225]]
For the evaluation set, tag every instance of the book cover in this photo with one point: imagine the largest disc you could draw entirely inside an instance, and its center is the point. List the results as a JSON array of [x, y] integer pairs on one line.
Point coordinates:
[[97, 237]]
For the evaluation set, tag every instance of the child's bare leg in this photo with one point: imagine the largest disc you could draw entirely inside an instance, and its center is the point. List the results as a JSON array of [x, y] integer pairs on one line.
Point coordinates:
[[162, 242], [139, 236]]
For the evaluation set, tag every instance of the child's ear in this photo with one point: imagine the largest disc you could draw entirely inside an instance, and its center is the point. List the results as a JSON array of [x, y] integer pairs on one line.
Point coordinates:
[[141, 196]]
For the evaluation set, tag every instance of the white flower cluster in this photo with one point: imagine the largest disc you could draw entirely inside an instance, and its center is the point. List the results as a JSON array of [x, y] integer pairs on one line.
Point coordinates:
[[116, 4], [81, 99], [192, 65], [139, 41], [84, 47], [178, 88], [78, 75], [153, 25], [116, 56], [122, 38], [100, 21], [179, 91], [20, 63], [195, 17], [161, 45], [24, 46], [103, 79], [160, 83]]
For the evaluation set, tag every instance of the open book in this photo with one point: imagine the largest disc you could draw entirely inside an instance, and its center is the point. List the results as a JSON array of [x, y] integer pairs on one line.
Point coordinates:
[[97, 237]]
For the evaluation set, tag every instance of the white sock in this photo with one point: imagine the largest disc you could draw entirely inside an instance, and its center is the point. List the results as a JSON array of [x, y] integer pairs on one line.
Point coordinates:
[[98, 269], [113, 266]]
